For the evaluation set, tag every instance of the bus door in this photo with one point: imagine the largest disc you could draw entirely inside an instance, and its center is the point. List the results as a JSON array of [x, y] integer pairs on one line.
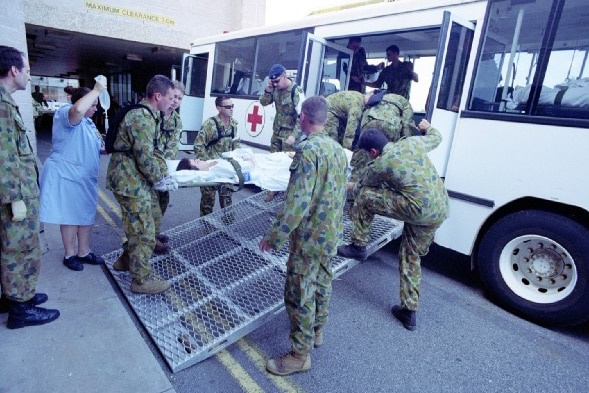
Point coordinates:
[[194, 77], [324, 70], [448, 81]]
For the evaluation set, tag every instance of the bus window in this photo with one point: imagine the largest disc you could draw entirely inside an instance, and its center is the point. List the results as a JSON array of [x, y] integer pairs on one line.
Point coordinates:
[[533, 64], [195, 74], [233, 67], [242, 65], [454, 70]]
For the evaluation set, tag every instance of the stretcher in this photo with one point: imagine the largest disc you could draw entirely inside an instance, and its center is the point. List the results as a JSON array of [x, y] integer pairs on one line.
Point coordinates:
[[222, 286], [268, 171]]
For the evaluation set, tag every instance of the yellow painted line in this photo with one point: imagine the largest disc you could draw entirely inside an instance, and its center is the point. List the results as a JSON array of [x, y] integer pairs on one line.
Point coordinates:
[[246, 382], [284, 384], [113, 205]]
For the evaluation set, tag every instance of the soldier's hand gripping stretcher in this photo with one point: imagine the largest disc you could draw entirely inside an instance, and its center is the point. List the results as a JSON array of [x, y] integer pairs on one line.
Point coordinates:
[[166, 184]]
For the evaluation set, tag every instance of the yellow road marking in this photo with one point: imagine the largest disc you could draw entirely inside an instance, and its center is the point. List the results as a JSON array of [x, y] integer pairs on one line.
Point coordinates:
[[238, 372], [114, 207], [285, 384]]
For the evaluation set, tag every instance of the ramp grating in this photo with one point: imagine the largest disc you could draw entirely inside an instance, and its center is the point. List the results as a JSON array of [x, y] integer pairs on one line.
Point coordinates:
[[223, 287]]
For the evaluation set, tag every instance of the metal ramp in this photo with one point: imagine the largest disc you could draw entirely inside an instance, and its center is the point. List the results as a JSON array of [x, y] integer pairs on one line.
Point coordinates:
[[223, 287]]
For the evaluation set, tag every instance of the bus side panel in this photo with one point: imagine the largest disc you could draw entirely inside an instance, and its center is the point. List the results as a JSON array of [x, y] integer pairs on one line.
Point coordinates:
[[501, 161]]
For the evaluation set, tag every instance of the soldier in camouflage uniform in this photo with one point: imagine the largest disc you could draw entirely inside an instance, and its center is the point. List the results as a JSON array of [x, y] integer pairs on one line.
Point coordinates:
[[311, 220], [217, 136], [286, 128], [343, 116], [20, 251], [168, 142], [393, 115], [131, 176], [401, 183], [397, 75]]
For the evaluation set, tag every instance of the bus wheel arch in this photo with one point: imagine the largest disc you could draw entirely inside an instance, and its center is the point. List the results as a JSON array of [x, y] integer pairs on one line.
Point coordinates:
[[535, 263]]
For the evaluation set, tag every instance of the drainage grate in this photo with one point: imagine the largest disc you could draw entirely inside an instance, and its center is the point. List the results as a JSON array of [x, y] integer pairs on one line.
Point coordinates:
[[223, 287]]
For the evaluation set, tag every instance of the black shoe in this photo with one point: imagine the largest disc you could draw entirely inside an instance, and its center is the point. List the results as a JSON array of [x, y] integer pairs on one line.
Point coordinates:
[[91, 259], [163, 238], [73, 263], [407, 317], [161, 248], [353, 251], [23, 314], [39, 298]]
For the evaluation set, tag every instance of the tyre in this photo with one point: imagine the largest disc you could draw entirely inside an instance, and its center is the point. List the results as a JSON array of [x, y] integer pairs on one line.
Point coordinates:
[[536, 264]]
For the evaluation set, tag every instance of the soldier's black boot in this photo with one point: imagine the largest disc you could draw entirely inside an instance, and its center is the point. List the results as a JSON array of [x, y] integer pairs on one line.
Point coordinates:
[[23, 314], [407, 317], [352, 251], [39, 298]]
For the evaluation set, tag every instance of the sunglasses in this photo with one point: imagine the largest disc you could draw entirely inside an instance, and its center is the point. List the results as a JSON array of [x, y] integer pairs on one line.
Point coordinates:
[[227, 106]]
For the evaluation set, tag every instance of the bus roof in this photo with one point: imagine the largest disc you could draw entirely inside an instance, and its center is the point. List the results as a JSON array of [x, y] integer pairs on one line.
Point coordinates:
[[350, 14]]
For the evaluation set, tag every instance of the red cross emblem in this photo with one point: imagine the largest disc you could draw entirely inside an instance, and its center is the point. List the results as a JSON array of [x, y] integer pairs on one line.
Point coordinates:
[[254, 119]]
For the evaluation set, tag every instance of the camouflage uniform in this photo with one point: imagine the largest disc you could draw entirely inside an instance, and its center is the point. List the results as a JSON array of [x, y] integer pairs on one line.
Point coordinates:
[[286, 121], [343, 116], [398, 78], [402, 183], [131, 176], [311, 219], [168, 142], [20, 251], [208, 146], [393, 116]]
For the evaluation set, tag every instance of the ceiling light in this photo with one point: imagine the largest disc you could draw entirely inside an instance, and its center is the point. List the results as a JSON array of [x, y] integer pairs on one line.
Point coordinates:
[[45, 45]]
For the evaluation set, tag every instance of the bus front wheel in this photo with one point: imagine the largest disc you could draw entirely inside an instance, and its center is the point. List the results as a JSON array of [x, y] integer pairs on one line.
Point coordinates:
[[536, 264]]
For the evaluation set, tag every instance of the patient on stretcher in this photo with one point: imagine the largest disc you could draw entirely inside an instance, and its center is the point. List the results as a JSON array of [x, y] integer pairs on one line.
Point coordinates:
[[195, 164]]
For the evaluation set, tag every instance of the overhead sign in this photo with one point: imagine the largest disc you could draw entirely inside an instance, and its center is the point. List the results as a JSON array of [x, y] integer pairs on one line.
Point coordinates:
[[129, 13]]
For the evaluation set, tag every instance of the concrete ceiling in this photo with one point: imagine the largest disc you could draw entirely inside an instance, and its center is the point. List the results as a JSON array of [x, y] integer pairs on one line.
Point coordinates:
[[66, 54]]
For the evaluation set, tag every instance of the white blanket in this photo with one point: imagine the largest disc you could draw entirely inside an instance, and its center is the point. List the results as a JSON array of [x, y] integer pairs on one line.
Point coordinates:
[[269, 171]]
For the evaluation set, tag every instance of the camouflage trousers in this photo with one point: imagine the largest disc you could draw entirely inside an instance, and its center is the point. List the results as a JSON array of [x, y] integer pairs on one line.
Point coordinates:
[[335, 128], [156, 207], [139, 227], [415, 240], [278, 141], [20, 252], [359, 162], [207, 199], [307, 293]]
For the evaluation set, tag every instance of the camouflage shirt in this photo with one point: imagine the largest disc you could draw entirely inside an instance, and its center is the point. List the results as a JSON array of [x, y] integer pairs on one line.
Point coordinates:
[[405, 167], [398, 78], [344, 111], [133, 173], [208, 146], [393, 115], [286, 117], [312, 213], [19, 178], [169, 138]]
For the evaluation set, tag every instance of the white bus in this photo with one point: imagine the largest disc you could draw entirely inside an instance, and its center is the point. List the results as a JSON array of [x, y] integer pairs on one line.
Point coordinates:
[[505, 81]]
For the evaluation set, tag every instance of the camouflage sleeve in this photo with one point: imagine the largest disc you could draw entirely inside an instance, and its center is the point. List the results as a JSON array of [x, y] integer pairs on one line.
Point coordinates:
[[9, 156], [142, 127], [297, 200], [236, 143], [352, 124], [266, 98], [206, 135], [173, 144], [407, 122], [432, 138]]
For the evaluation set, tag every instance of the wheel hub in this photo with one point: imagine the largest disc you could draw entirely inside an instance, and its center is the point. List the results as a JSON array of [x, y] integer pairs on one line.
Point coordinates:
[[545, 263]]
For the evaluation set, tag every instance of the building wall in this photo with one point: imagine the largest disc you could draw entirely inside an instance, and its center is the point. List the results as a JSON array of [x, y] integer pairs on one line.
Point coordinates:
[[168, 23]]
